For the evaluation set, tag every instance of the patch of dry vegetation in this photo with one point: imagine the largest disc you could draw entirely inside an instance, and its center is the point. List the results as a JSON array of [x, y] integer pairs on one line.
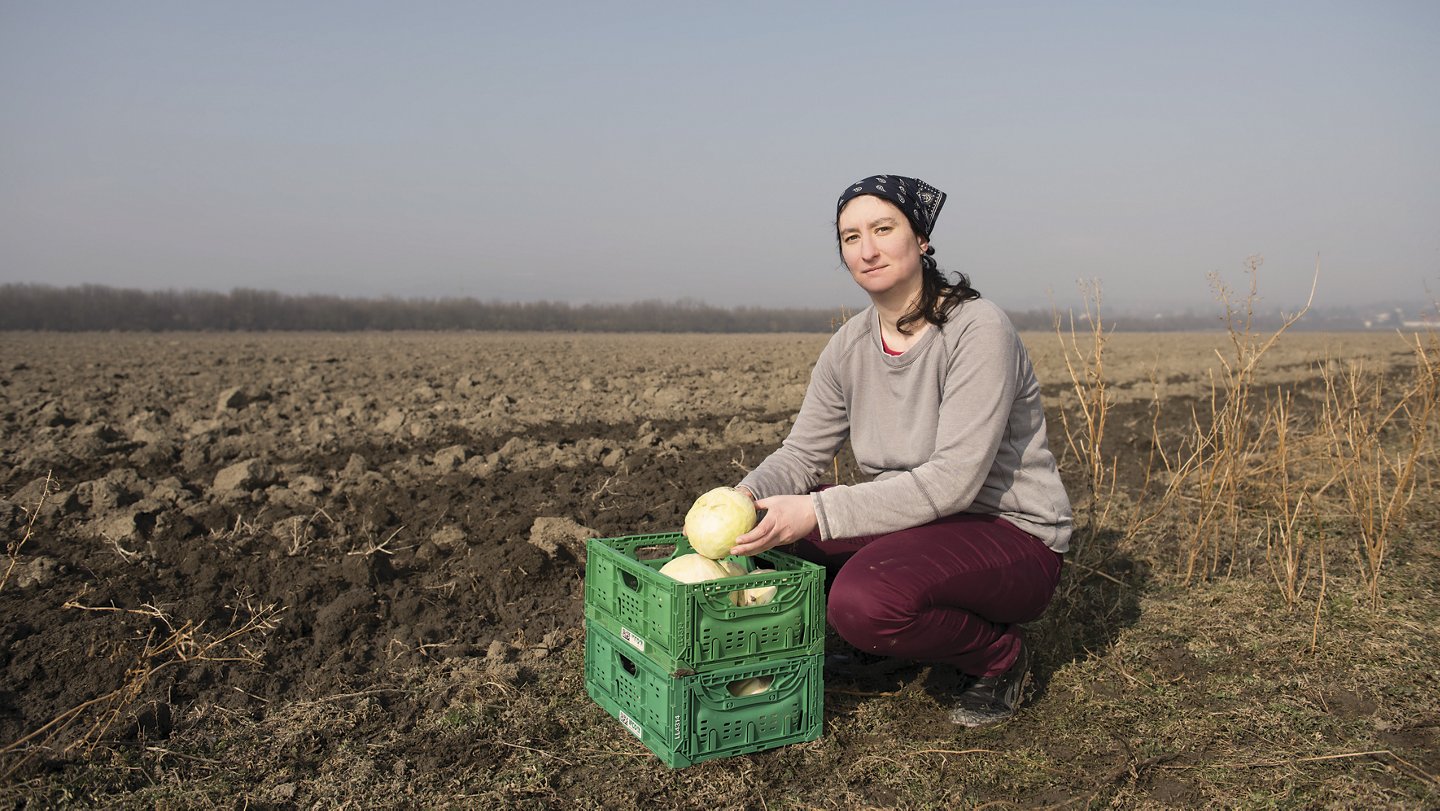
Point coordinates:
[[163, 643], [1331, 703], [1244, 475]]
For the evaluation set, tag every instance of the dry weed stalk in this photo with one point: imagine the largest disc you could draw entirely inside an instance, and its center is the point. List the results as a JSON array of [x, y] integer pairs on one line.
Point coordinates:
[[1319, 598], [241, 527], [300, 537], [125, 554], [12, 549], [164, 646], [1086, 368], [1287, 547], [1157, 451], [1378, 448], [381, 548], [1213, 466]]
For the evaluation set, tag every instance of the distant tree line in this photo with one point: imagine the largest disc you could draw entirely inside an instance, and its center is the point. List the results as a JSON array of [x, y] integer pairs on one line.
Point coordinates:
[[101, 308], [97, 307]]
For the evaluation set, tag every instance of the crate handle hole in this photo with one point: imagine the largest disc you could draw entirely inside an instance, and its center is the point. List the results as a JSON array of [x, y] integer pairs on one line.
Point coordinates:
[[631, 581], [627, 664]]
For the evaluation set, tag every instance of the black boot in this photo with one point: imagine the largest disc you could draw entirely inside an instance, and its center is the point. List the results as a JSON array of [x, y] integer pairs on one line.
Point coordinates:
[[993, 698]]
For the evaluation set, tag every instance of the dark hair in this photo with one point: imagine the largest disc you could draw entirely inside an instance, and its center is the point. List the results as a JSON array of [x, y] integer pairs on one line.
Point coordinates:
[[938, 294]]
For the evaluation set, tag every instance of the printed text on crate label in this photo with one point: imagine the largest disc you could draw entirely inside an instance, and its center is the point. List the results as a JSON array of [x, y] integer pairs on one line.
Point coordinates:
[[632, 725], [630, 637]]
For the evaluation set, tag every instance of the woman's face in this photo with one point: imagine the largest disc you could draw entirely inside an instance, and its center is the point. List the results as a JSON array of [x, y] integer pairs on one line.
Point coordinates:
[[880, 248]]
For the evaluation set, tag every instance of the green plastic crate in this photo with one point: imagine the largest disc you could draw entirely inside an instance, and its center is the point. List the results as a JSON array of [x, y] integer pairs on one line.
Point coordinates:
[[695, 627], [694, 718]]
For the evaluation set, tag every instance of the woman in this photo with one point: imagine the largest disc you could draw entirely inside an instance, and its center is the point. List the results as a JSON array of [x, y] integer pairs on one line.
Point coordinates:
[[958, 536]]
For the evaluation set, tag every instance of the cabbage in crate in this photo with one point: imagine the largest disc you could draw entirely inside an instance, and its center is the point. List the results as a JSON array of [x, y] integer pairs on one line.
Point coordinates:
[[695, 568], [761, 595]]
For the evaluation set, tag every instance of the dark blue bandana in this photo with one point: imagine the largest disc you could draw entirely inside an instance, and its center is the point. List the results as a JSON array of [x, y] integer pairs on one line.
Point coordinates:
[[919, 200]]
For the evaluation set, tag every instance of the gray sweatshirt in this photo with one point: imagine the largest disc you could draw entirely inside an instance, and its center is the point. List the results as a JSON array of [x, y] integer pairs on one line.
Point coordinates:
[[955, 424]]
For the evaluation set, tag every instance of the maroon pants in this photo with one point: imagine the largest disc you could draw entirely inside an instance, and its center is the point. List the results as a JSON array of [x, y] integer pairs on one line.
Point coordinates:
[[950, 591]]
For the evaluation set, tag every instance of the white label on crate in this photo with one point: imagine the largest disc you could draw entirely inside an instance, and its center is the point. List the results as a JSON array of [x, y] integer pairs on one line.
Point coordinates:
[[628, 636], [632, 725]]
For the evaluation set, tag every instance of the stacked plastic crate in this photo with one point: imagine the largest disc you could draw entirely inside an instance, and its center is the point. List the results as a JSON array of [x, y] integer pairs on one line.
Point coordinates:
[[689, 671]]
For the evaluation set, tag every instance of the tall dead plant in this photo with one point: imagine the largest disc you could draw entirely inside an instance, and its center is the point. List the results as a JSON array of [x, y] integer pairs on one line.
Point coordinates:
[[1084, 353], [1208, 475], [1287, 543], [1378, 445]]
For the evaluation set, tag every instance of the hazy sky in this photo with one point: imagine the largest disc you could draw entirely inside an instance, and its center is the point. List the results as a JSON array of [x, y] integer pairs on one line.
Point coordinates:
[[611, 152]]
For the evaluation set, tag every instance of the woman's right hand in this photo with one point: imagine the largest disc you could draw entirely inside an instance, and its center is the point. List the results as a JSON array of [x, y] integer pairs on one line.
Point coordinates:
[[787, 519]]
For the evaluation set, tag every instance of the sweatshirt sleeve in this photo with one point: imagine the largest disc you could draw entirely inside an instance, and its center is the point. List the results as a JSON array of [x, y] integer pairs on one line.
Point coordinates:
[[819, 431], [978, 392]]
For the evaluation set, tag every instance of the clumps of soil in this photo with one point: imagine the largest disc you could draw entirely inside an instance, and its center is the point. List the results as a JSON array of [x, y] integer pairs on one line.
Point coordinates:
[[398, 514], [408, 516], [557, 536]]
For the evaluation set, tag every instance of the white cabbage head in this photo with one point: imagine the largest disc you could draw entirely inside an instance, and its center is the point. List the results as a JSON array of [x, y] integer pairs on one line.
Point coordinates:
[[760, 595], [716, 519], [750, 687], [693, 568]]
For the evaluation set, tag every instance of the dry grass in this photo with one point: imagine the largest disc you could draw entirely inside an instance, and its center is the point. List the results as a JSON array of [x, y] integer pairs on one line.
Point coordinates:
[[1378, 442], [1203, 702], [1085, 435], [1249, 477], [166, 644], [1287, 542], [1209, 473]]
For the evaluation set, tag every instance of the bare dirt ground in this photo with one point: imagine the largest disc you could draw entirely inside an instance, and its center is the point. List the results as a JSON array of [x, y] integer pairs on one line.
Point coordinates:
[[321, 570]]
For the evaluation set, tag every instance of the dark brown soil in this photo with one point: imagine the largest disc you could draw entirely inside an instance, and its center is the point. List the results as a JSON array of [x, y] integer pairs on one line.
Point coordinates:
[[404, 517], [380, 556]]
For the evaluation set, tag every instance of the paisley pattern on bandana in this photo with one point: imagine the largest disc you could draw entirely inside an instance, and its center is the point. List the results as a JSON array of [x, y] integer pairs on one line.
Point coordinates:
[[919, 200]]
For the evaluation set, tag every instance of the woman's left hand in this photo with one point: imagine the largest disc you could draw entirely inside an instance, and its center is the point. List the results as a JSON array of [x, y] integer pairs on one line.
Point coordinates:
[[787, 519]]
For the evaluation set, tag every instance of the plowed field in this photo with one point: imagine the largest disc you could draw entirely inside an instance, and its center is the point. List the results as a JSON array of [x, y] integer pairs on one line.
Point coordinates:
[[300, 570]]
